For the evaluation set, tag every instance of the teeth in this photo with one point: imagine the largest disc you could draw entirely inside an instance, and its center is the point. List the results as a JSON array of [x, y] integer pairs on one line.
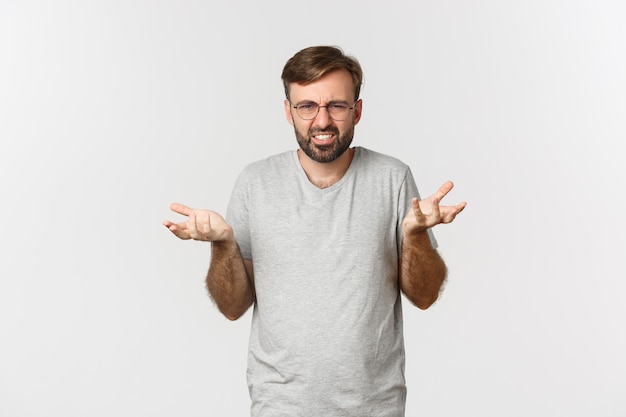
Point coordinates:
[[323, 137]]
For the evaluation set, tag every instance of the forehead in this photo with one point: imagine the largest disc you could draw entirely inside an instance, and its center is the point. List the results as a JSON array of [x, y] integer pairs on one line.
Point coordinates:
[[336, 85]]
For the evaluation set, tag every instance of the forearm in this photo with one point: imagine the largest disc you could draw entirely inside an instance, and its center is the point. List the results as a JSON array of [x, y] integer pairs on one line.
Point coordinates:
[[228, 282], [422, 270]]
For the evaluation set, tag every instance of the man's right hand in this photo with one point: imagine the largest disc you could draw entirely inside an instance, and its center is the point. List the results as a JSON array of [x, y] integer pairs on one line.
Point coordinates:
[[204, 225]]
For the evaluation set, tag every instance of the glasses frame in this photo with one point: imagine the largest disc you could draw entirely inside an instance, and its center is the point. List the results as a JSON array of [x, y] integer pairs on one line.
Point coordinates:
[[318, 110]]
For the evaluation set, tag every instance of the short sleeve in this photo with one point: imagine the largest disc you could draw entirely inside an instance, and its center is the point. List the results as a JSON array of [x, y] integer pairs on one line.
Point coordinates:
[[408, 190], [237, 215]]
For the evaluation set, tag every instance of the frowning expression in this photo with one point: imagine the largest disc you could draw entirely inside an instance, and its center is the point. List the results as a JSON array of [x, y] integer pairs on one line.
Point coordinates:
[[322, 138]]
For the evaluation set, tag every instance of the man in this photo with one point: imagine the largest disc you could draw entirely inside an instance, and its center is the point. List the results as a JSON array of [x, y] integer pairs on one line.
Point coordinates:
[[322, 241]]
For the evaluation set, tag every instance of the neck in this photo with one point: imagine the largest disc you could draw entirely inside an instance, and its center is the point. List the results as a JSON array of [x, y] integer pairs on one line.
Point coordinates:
[[325, 174]]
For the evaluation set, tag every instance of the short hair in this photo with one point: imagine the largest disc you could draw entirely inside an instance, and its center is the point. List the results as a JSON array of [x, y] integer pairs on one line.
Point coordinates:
[[312, 63]]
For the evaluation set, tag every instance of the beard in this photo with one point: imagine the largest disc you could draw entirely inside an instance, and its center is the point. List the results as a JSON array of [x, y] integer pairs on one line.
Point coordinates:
[[325, 153]]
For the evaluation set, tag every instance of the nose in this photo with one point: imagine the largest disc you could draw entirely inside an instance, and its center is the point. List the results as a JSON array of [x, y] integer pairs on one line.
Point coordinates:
[[323, 117]]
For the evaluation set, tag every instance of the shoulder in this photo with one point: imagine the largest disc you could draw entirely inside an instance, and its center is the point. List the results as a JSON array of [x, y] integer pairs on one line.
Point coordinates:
[[381, 162], [267, 172], [273, 163]]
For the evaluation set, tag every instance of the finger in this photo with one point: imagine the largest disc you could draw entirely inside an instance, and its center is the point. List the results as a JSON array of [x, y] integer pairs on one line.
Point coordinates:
[[416, 206], [443, 190], [192, 225], [170, 225], [449, 213], [180, 209], [436, 211], [177, 229], [203, 222]]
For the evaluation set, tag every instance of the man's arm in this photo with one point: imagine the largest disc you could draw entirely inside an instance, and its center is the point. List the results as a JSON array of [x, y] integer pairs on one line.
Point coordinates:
[[422, 271], [230, 280]]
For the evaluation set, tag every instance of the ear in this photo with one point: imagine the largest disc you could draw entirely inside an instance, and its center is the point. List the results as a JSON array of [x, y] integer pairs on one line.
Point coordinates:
[[288, 112], [358, 108]]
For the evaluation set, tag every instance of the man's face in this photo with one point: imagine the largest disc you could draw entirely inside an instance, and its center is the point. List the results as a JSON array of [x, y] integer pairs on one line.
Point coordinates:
[[323, 139]]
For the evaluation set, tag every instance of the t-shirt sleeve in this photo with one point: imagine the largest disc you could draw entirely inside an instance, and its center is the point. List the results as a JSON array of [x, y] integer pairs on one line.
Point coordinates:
[[408, 190], [237, 215]]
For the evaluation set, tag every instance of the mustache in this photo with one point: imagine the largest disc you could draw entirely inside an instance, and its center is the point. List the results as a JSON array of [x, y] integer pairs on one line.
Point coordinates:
[[328, 129]]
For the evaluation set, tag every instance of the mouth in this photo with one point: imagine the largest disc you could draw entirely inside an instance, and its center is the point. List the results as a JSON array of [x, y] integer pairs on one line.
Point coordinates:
[[323, 138]]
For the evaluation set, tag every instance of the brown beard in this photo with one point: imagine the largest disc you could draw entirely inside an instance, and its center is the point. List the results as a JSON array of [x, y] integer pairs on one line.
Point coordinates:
[[325, 153]]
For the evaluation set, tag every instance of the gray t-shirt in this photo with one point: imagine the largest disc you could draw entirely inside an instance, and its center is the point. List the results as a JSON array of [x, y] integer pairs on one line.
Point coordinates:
[[326, 337]]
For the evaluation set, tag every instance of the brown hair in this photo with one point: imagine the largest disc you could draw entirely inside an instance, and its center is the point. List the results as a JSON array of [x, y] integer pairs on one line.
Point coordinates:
[[314, 62]]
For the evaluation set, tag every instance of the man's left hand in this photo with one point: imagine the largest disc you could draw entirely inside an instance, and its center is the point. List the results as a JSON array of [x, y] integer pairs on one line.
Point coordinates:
[[427, 213]]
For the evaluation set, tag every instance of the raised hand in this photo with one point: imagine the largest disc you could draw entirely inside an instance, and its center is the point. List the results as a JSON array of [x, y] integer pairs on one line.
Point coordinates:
[[204, 225], [427, 213]]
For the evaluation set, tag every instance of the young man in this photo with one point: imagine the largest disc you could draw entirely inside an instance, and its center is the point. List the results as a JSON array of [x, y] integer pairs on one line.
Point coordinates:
[[322, 241]]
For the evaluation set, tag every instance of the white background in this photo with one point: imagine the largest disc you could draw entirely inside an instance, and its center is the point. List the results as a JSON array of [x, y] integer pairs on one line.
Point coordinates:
[[111, 110]]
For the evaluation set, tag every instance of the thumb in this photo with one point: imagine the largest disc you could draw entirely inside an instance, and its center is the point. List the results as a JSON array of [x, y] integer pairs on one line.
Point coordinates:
[[180, 209]]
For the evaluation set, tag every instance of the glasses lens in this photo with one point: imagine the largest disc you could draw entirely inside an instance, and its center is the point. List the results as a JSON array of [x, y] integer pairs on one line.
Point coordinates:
[[307, 110], [338, 111]]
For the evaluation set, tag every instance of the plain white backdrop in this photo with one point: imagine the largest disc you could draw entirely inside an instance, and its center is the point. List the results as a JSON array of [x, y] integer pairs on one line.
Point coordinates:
[[111, 110]]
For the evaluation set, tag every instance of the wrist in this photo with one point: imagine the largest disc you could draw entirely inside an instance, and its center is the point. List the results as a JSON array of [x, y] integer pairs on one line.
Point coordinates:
[[227, 246], [226, 234], [417, 238]]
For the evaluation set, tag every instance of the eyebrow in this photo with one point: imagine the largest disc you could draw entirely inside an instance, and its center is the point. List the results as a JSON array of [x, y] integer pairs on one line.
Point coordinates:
[[315, 102]]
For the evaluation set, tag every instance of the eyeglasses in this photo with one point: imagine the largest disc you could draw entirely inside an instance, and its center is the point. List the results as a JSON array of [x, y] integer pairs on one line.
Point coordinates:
[[338, 111]]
